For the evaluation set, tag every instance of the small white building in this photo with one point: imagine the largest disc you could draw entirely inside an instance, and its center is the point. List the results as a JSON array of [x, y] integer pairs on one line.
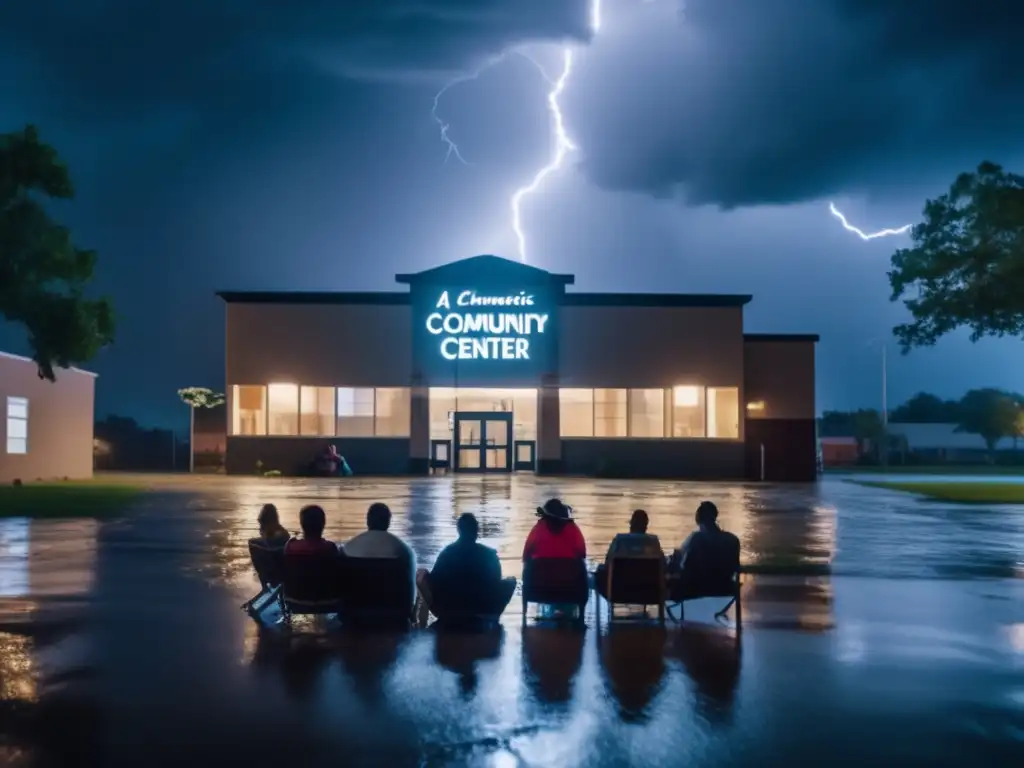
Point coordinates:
[[46, 432]]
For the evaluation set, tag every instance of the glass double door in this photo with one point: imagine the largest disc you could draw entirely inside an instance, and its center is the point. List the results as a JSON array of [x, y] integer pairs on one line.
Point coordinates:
[[482, 441]]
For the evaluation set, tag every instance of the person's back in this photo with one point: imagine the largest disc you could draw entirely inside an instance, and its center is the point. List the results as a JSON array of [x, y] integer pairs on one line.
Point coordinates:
[[312, 520], [376, 542], [710, 556], [635, 545], [272, 534], [466, 579], [555, 535]]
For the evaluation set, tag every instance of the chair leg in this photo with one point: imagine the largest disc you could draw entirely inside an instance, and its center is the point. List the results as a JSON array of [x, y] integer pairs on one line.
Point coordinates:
[[661, 612], [526, 606]]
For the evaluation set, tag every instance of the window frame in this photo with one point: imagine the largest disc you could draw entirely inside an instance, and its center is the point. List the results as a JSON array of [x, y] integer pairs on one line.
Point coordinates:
[[16, 400]]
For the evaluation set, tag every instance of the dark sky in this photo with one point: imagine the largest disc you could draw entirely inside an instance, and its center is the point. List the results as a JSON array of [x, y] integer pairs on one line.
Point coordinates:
[[257, 144]]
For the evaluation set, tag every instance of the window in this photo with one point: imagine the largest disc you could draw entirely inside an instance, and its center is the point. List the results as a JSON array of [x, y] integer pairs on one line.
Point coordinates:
[[723, 412], [282, 409], [576, 412], [688, 411], [355, 412], [248, 410], [17, 425], [646, 413], [610, 413], [316, 411], [393, 412]]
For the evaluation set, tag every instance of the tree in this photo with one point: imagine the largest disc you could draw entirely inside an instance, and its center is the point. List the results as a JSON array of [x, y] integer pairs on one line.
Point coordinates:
[[43, 275], [966, 267], [989, 413], [926, 408], [197, 397]]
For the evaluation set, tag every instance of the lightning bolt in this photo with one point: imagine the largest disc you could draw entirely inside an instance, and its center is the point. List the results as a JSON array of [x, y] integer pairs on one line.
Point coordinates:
[[563, 144], [866, 235]]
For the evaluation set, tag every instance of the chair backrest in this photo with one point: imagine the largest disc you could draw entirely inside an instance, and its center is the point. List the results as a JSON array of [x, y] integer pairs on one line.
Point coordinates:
[[636, 581], [377, 588], [713, 561], [312, 577], [268, 562], [555, 580]]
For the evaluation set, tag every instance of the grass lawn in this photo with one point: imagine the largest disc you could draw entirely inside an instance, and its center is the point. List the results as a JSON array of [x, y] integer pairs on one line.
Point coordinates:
[[939, 469], [965, 493], [67, 499]]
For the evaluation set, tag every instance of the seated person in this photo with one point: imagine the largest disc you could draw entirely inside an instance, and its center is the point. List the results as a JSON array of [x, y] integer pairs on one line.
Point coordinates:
[[555, 535], [707, 559], [637, 544], [312, 520], [272, 533], [466, 581], [378, 543]]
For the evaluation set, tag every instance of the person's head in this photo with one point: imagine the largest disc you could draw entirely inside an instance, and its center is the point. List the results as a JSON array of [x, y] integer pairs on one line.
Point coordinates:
[[467, 526], [378, 517], [638, 522], [707, 514], [268, 520], [312, 521], [555, 513]]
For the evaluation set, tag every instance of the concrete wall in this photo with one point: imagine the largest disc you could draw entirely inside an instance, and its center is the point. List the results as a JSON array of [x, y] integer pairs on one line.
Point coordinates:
[[651, 346], [60, 422], [690, 459], [292, 455], [780, 374], [340, 345]]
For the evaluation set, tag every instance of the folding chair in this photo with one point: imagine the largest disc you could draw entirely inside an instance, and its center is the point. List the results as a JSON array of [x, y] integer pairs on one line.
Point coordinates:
[[555, 581], [311, 584], [635, 581], [711, 570], [376, 592], [268, 562]]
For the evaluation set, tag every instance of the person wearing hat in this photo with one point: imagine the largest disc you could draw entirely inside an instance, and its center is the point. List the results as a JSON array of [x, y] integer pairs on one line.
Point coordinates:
[[555, 535]]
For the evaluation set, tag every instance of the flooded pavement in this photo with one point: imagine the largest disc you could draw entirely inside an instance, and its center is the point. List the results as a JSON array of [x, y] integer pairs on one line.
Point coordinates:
[[877, 628]]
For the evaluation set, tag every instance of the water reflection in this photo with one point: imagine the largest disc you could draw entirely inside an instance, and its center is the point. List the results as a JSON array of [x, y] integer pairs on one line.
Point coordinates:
[[47, 558], [711, 658], [633, 659], [552, 657], [461, 652]]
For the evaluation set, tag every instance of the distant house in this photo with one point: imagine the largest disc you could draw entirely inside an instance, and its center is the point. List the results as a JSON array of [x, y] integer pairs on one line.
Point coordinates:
[[46, 426], [942, 442], [838, 451]]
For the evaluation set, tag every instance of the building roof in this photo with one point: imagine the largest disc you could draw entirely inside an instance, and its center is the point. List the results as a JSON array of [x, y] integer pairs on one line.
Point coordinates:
[[806, 337], [569, 299], [931, 437], [486, 270], [30, 361]]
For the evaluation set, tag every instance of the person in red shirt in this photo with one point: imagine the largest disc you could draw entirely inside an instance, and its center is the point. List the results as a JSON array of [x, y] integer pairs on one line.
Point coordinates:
[[313, 521], [555, 534]]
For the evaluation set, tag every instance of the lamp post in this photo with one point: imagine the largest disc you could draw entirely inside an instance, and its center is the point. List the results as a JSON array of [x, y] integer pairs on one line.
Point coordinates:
[[197, 397]]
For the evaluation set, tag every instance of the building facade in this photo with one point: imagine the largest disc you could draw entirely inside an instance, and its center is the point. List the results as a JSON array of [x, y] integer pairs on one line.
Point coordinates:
[[47, 425], [489, 365]]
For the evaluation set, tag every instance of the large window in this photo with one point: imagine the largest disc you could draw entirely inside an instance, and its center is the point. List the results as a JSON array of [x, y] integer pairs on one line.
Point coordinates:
[[647, 413], [282, 409], [576, 412], [392, 412], [610, 408], [355, 412], [17, 425], [723, 412], [316, 411], [688, 411]]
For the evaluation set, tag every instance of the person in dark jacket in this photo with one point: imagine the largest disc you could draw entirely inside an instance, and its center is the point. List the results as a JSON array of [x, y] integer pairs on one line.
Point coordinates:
[[466, 580]]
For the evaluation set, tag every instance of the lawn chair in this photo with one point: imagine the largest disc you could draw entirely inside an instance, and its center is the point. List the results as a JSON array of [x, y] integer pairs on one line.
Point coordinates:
[[268, 562], [377, 592], [636, 581], [710, 570], [311, 584], [555, 581]]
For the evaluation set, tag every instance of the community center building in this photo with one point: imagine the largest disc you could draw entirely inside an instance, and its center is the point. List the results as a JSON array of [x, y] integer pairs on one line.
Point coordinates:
[[490, 365], [47, 425]]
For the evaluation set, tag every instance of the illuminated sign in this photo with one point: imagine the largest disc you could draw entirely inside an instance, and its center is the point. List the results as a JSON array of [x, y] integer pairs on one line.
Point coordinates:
[[483, 327]]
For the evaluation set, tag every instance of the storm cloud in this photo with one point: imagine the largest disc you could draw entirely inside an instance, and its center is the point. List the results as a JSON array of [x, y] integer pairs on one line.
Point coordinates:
[[742, 102]]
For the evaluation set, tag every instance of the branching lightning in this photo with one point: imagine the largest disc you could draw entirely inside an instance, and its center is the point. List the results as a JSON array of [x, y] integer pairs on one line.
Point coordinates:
[[563, 144], [866, 235]]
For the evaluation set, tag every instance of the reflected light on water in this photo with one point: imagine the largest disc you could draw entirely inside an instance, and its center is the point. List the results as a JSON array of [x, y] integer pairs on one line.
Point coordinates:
[[17, 679]]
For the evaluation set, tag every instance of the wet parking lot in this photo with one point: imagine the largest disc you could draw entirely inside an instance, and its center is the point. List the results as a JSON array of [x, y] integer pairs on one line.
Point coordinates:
[[877, 629]]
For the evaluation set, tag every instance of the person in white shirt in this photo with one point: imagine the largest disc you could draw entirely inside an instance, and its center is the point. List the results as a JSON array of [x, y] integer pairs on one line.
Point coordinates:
[[377, 542], [637, 544]]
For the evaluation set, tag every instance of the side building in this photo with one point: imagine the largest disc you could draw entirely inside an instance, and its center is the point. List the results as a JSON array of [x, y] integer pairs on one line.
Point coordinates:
[[489, 365], [47, 425]]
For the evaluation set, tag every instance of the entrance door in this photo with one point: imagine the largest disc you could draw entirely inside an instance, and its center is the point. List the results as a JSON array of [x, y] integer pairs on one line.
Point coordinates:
[[483, 441]]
